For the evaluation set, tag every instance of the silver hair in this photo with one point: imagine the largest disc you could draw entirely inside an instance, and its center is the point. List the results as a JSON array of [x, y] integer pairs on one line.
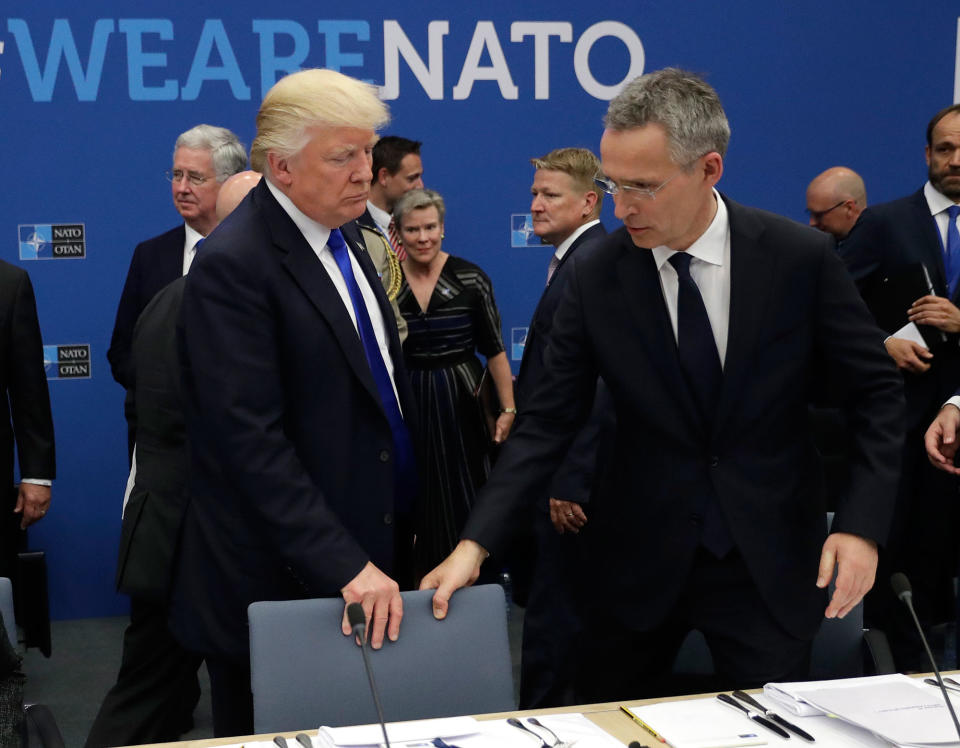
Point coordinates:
[[682, 103], [418, 200], [228, 154]]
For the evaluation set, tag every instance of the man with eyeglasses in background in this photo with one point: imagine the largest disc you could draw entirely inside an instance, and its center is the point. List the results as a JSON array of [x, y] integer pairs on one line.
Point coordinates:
[[912, 244], [835, 200], [707, 320], [203, 157]]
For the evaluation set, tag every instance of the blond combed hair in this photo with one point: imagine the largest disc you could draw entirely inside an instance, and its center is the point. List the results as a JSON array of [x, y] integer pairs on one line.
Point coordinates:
[[312, 98], [580, 164]]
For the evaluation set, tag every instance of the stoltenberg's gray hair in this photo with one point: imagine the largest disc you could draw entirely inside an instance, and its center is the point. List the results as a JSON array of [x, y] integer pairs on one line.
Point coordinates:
[[682, 103]]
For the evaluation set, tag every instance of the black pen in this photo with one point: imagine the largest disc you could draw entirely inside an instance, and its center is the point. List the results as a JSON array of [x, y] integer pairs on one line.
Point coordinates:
[[748, 699], [730, 701]]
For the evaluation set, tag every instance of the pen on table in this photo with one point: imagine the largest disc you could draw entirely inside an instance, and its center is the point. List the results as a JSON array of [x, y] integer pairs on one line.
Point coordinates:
[[771, 715], [752, 715], [642, 724]]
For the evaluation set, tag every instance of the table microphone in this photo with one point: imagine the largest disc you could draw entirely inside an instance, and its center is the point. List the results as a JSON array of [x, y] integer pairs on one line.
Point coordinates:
[[358, 622], [903, 590]]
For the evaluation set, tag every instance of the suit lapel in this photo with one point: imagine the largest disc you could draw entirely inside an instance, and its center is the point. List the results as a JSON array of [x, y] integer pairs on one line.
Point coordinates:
[[355, 242], [174, 258], [311, 277], [751, 271], [594, 232], [639, 282], [928, 236]]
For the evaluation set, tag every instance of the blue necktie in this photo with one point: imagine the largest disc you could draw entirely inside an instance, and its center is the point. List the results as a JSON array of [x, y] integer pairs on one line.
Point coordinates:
[[701, 367], [952, 259], [404, 466]]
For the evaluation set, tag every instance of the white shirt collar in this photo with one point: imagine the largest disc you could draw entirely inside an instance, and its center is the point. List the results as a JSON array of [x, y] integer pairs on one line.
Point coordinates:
[[380, 216], [709, 246], [193, 236], [315, 233], [564, 246], [936, 200]]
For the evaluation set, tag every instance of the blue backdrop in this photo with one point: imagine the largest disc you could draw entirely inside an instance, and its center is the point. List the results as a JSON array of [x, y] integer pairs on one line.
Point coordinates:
[[94, 94]]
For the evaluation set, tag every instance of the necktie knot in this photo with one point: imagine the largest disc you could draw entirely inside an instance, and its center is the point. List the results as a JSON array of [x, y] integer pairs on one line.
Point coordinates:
[[552, 267], [953, 211], [681, 263], [336, 242]]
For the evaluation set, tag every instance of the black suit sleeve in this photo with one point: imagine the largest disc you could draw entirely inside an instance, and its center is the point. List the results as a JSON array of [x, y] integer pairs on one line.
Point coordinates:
[[574, 480], [131, 302], [29, 397], [545, 430], [852, 347]]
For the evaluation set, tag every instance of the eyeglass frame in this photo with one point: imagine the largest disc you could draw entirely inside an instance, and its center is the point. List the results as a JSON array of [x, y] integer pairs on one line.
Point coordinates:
[[613, 189], [193, 178], [817, 215]]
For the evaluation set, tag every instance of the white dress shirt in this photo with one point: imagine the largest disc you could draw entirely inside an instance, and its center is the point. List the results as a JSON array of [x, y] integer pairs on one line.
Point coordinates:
[[938, 204], [564, 246], [710, 270], [316, 236], [190, 246], [380, 217]]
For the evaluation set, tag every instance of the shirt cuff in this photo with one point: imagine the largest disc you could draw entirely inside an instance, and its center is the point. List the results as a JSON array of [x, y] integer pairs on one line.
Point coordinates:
[[45, 482], [954, 401]]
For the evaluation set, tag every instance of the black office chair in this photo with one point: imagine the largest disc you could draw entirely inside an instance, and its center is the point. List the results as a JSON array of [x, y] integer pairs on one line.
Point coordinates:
[[40, 728], [37, 726]]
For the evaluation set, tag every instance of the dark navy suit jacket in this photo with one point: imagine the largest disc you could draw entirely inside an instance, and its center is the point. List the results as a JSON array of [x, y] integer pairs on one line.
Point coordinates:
[[886, 239], [155, 263], [24, 398], [794, 312], [573, 480], [291, 488]]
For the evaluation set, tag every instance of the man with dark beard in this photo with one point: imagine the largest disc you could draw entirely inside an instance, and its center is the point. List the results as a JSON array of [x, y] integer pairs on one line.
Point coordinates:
[[917, 236]]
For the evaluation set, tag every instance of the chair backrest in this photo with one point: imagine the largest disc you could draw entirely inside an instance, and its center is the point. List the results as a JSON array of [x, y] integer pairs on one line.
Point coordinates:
[[6, 610], [306, 673]]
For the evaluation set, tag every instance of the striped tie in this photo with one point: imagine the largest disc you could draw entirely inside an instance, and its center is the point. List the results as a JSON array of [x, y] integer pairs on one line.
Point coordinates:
[[394, 236]]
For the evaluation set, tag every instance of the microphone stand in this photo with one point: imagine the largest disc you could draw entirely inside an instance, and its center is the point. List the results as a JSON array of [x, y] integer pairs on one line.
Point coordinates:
[[902, 589]]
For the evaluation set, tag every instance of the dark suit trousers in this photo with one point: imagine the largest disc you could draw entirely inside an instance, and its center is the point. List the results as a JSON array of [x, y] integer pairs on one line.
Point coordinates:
[[551, 624], [230, 697], [156, 689], [719, 599]]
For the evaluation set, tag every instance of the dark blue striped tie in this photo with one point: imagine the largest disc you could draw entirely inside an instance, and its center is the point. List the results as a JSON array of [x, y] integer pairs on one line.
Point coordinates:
[[404, 465]]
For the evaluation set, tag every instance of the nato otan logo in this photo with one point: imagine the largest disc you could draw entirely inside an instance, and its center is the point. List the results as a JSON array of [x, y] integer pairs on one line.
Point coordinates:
[[521, 231], [52, 241], [67, 361], [518, 341]]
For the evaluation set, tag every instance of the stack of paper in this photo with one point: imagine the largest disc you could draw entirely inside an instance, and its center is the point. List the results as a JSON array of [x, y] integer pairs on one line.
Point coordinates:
[[704, 723], [896, 708]]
